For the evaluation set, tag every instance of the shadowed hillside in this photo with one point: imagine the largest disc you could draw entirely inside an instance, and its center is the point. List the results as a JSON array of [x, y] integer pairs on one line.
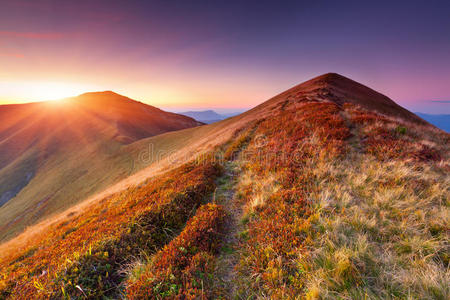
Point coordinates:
[[328, 190], [55, 153]]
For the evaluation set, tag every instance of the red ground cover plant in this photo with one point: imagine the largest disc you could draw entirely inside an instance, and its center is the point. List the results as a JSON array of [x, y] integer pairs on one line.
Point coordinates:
[[296, 135], [181, 269], [389, 139], [81, 256], [293, 140]]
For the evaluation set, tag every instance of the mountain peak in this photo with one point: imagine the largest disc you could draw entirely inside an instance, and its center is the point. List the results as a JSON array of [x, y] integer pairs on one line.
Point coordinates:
[[100, 93], [329, 77], [340, 89], [335, 80], [105, 99]]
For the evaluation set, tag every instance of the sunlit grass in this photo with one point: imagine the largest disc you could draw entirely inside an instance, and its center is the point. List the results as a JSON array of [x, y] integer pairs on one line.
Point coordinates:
[[354, 221]]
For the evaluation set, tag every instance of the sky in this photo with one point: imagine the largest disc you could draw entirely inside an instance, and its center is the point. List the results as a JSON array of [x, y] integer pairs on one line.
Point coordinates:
[[223, 55]]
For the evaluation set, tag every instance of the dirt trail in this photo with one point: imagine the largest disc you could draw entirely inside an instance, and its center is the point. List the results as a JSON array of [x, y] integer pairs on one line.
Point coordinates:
[[225, 195]]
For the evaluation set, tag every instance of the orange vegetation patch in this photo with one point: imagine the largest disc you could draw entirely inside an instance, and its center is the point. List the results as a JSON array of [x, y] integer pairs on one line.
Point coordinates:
[[286, 141], [292, 141], [389, 139], [108, 233], [181, 269]]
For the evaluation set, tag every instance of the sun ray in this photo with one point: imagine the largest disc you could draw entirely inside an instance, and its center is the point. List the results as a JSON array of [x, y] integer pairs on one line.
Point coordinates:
[[42, 90]]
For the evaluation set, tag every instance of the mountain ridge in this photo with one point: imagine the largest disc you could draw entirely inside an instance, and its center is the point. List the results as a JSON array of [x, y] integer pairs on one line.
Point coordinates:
[[302, 192], [203, 138], [340, 89]]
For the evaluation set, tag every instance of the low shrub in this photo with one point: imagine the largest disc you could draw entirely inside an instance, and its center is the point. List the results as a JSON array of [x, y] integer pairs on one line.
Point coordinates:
[[183, 268]]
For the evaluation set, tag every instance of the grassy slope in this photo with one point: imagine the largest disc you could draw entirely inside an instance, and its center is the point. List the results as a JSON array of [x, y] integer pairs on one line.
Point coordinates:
[[360, 217], [323, 219], [109, 235], [70, 150], [339, 202], [56, 192]]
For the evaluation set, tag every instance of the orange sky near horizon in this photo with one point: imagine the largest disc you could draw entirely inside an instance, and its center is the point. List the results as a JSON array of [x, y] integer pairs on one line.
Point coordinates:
[[229, 55], [179, 96], [157, 82]]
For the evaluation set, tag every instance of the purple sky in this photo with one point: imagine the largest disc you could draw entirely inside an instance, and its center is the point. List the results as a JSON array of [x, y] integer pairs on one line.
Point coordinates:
[[223, 54]]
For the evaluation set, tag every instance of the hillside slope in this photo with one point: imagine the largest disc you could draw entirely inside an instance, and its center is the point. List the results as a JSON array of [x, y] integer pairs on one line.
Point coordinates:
[[311, 194], [55, 153]]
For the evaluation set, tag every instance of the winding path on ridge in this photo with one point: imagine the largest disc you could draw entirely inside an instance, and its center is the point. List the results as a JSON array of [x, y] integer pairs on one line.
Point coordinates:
[[228, 258]]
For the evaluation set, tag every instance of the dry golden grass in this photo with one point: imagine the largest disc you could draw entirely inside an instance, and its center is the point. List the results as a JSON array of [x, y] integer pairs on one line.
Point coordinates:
[[378, 231], [355, 225]]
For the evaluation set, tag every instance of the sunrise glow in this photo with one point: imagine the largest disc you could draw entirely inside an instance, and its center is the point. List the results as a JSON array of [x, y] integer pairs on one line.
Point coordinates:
[[187, 56], [41, 90]]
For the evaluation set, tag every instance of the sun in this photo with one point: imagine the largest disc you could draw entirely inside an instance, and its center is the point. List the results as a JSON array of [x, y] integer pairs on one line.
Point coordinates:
[[54, 90], [26, 91]]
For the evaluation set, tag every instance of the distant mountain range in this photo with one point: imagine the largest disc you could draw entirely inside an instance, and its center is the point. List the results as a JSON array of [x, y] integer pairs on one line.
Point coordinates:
[[207, 116], [440, 121]]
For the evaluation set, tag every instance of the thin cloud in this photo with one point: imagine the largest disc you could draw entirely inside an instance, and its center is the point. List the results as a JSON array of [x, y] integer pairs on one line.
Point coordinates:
[[440, 101], [32, 35]]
